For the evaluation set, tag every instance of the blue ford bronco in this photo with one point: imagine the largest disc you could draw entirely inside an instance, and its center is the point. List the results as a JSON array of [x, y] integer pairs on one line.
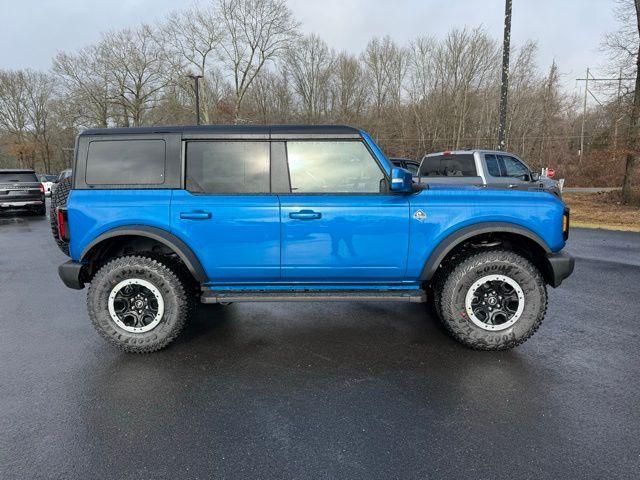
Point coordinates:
[[156, 218]]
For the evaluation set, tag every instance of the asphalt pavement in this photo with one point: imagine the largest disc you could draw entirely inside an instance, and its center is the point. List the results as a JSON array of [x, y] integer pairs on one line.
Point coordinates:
[[319, 390]]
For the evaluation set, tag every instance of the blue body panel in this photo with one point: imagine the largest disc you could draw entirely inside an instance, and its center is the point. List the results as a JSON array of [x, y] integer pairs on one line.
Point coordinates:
[[355, 238], [330, 241], [240, 242], [94, 212], [449, 209]]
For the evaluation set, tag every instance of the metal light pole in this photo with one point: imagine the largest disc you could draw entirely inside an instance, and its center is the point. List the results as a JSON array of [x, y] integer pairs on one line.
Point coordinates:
[[504, 89], [196, 79]]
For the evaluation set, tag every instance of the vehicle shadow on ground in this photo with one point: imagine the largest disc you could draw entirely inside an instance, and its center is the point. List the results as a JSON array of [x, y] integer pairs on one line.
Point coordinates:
[[249, 347]]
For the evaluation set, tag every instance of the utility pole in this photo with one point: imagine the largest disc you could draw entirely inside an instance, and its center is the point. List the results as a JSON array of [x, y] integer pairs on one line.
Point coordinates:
[[584, 114], [504, 88], [196, 79]]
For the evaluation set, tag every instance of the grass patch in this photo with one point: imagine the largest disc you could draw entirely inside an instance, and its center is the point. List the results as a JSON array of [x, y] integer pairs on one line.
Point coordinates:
[[603, 210]]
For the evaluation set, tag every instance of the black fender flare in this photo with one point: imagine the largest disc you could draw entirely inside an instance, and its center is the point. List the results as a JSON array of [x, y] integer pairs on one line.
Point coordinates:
[[456, 238], [166, 238]]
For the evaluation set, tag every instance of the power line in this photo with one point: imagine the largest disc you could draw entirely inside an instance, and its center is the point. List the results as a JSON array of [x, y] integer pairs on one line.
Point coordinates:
[[587, 92], [604, 79]]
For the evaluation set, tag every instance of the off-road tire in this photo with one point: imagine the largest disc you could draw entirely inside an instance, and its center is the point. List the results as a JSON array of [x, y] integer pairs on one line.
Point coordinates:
[[59, 196], [454, 288], [177, 303]]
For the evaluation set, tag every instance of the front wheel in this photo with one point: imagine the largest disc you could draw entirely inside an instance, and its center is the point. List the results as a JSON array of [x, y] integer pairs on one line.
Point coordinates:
[[493, 300], [138, 304]]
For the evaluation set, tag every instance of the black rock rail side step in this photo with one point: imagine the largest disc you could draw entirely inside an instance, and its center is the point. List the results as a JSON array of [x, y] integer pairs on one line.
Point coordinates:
[[411, 296]]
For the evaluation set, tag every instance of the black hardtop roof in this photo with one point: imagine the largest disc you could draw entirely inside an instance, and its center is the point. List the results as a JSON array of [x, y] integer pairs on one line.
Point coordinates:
[[230, 130], [16, 170]]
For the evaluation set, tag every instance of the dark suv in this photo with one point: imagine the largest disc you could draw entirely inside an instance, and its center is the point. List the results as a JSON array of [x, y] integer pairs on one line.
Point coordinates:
[[21, 189], [160, 217]]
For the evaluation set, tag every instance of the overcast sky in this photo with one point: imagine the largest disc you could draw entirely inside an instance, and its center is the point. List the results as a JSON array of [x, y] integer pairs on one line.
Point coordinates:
[[568, 31]]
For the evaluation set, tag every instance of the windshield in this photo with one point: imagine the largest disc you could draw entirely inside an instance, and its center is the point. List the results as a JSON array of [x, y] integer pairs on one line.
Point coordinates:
[[20, 177]]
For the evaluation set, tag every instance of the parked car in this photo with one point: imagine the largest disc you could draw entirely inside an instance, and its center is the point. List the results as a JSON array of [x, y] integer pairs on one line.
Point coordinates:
[[47, 182], [21, 189], [483, 167], [159, 218], [406, 163]]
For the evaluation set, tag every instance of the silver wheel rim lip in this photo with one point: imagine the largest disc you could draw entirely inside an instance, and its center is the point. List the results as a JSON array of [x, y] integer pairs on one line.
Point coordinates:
[[142, 283], [490, 278]]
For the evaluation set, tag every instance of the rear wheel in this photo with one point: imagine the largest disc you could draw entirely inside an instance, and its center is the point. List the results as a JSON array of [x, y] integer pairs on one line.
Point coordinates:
[[138, 304], [493, 300]]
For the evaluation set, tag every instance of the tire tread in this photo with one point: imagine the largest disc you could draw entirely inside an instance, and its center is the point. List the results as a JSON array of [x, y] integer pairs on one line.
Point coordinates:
[[455, 276], [183, 300]]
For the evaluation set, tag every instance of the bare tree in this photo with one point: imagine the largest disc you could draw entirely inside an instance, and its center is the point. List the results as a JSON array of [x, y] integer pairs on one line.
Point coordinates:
[[385, 67], [192, 39], [86, 82], [310, 64], [25, 106], [14, 117], [256, 32], [420, 88], [464, 63], [348, 89], [624, 45], [39, 89], [137, 64]]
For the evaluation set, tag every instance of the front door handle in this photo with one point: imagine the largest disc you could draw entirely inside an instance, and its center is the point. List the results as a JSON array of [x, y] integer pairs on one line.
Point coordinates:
[[305, 215], [199, 215]]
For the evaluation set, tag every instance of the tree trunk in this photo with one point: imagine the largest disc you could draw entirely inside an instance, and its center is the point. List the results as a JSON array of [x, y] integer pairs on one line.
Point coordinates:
[[634, 126]]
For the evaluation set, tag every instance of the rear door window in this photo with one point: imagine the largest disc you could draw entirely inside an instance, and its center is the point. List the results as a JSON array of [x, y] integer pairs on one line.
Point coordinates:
[[227, 167], [126, 162], [459, 165]]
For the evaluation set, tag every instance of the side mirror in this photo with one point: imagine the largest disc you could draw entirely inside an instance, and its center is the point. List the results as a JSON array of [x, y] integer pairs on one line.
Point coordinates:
[[401, 180], [535, 176]]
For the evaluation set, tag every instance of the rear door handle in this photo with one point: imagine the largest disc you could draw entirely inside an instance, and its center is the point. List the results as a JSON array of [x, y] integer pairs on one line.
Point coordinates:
[[305, 215], [199, 215]]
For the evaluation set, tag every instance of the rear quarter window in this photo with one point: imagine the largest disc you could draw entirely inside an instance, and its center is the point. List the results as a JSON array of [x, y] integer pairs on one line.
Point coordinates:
[[462, 165], [126, 162]]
